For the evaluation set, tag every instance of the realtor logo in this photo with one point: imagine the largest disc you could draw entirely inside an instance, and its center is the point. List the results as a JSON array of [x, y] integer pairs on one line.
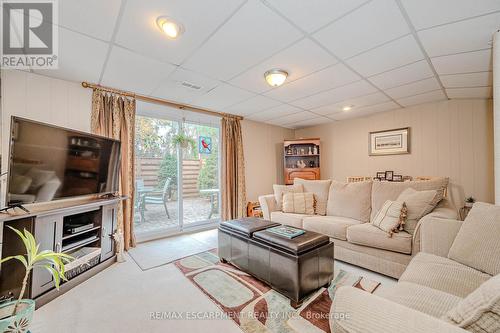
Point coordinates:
[[29, 34]]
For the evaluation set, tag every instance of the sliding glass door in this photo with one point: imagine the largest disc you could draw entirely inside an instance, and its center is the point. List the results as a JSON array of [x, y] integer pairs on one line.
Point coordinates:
[[177, 176]]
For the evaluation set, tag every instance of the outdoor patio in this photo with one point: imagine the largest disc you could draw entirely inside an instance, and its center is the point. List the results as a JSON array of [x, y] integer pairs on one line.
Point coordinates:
[[195, 210]]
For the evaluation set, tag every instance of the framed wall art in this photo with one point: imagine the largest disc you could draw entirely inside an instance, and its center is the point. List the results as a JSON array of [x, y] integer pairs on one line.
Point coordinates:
[[390, 142]]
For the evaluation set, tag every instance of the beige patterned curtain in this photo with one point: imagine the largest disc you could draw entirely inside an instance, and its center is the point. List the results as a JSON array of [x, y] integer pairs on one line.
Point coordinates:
[[233, 170], [113, 116]]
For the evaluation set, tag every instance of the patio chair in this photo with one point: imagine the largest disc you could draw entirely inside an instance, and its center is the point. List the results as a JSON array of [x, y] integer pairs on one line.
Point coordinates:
[[156, 198]]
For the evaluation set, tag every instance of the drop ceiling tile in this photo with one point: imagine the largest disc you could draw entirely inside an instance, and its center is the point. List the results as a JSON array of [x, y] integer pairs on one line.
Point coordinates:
[[414, 88], [221, 97], [359, 88], [75, 65], [386, 57], [331, 77], [371, 25], [245, 40], [139, 32], [173, 88], [311, 15], [474, 34], [292, 118], [417, 71], [275, 112], [479, 61], [475, 92], [431, 96], [428, 13], [364, 111], [95, 18], [252, 105], [144, 76], [311, 122], [298, 60], [480, 79], [356, 103]]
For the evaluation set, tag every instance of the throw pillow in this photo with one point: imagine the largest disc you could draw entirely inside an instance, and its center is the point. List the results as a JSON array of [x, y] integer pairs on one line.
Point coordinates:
[[477, 244], [480, 310], [418, 203], [391, 217], [279, 190], [383, 191], [299, 203], [320, 189], [351, 200]]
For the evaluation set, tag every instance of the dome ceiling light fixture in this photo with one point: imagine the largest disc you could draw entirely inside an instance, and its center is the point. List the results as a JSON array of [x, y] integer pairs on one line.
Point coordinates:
[[347, 108], [275, 77], [169, 27]]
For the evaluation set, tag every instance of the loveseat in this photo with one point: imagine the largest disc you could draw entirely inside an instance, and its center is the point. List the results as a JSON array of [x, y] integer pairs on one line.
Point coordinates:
[[452, 285], [349, 209]]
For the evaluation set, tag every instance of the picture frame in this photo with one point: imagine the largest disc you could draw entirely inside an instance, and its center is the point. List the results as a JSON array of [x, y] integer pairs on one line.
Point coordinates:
[[381, 175], [389, 142], [397, 178], [407, 178], [389, 176]]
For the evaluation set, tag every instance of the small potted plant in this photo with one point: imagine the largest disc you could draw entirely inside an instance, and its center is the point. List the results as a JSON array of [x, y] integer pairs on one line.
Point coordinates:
[[469, 202], [16, 315], [183, 140]]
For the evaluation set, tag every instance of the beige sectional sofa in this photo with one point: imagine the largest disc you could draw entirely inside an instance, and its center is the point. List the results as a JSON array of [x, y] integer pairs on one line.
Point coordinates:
[[350, 208], [452, 285]]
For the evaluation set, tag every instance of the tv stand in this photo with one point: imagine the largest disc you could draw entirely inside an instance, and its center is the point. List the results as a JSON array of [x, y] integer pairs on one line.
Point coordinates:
[[75, 227]]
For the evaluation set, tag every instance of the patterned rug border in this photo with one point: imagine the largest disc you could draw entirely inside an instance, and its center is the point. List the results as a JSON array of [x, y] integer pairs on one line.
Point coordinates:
[[318, 304]]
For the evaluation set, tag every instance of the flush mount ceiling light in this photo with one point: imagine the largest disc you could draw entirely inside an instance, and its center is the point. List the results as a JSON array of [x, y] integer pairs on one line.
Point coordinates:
[[275, 77], [169, 27], [347, 108]]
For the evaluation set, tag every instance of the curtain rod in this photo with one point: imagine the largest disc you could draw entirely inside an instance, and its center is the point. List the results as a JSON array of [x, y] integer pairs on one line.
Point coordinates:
[[160, 101]]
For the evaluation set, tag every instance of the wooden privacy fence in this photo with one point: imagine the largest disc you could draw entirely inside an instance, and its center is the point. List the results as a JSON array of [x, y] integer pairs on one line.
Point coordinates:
[[147, 169]]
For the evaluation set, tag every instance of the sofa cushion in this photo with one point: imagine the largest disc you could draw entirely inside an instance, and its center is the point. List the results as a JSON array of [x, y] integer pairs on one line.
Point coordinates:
[[279, 190], [350, 200], [332, 226], [443, 274], [390, 217], [477, 243], [421, 298], [418, 203], [383, 191], [291, 219], [320, 190], [369, 235], [301, 203], [480, 311]]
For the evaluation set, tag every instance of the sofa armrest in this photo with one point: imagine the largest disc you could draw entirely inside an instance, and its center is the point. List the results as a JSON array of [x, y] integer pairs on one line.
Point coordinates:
[[354, 310], [437, 234], [445, 210], [268, 205]]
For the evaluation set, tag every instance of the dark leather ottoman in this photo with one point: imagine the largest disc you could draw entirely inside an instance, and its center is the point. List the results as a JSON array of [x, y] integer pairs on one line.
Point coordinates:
[[294, 267]]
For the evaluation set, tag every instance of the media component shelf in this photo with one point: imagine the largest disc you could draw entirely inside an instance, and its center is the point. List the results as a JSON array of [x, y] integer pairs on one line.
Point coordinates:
[[82, 229]]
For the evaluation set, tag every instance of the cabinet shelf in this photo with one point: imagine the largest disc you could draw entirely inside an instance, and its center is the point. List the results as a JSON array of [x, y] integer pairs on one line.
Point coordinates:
[[300, 147], [80, 244], [68, 236], [305, 155]]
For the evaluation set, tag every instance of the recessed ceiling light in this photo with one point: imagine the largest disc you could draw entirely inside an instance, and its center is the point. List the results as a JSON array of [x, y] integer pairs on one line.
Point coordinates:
[[169, 27], [275, 77], [347, 108]]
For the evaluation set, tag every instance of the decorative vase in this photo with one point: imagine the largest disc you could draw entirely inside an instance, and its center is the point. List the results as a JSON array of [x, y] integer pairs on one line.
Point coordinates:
[[315, 150], [20, 322]]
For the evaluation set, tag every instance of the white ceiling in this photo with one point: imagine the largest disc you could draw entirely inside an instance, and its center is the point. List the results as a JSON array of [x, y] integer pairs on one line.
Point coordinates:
[[376, 55]]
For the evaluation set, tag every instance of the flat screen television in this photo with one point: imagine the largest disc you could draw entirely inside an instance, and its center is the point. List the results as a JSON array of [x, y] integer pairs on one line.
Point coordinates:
[[48, 162]]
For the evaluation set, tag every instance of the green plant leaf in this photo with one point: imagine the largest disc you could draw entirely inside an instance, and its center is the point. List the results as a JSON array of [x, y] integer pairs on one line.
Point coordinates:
[[19, 257], [55, 274]]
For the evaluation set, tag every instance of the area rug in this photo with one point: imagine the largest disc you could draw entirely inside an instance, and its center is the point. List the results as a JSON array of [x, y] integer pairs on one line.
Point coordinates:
[[257, 308]]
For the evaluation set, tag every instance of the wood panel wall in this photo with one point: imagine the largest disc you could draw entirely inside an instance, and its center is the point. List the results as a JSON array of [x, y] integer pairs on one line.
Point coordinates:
[[450, 138]]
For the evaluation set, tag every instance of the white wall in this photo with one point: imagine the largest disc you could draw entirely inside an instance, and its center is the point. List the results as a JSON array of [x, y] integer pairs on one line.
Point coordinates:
[[263, 149], [43, 99], [496, 101], [450, 138]]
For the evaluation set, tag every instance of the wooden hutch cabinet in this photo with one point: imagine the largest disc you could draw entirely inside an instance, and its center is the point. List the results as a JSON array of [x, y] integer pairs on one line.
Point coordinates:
[[301, 159]]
